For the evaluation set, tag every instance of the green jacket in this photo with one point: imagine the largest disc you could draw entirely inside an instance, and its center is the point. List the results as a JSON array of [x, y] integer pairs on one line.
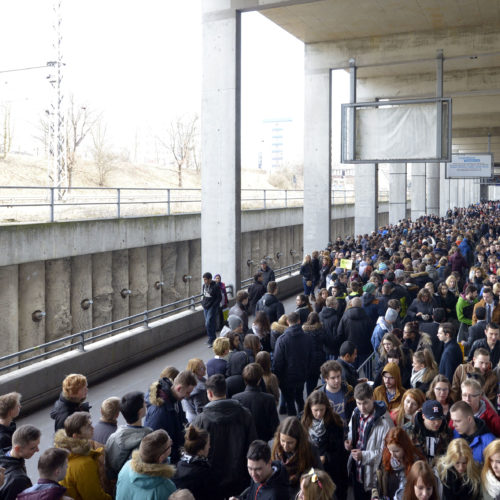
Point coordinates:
[[465, 309]]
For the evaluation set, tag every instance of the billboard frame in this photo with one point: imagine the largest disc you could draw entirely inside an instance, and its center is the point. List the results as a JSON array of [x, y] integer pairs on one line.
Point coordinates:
[[492, 168]]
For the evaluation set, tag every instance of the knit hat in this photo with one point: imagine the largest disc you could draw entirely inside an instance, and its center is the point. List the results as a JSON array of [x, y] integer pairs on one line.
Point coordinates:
[[391, 315], [234, 321], [369, 288], [399, 273], [382, 266]]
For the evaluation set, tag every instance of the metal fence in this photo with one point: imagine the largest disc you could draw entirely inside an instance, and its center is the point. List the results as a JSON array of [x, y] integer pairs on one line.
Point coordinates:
[[49, 204], [81, 339], [367, 368], [282, 271]]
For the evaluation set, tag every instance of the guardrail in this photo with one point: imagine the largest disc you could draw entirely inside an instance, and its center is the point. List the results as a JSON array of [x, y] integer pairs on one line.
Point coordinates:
[[23, 203], [367, 368], [281, 271], [81, 339]]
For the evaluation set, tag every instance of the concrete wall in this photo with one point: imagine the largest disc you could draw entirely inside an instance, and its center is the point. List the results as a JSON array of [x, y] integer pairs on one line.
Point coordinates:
[[40, 384]]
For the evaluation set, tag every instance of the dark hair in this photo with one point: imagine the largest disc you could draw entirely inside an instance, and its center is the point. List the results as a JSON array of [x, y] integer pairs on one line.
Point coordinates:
[[262, 321], [186, 378], [439, 314], [217, 384], [208, 276], [480, 313], [470, 289], [130, 406], [363, 391], [259, 450], [263, 358], [25, 435], [313, 319], [257, 275], [75, 422], [241, 295], [330, 366], [320, 398], [449, 329], [492, 325], [51, 460], [293, 318], [231, 336], [195, 440], [347, 347], [252, 373], [272, 286]]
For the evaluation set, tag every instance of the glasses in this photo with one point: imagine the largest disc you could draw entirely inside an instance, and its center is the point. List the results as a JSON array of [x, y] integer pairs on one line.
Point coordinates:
[[387, 377], [441, 389]]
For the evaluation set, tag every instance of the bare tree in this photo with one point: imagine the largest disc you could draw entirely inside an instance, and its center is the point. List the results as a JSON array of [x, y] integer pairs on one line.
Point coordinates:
[[6, 137], [80, 121], [180, 142], [101, 151]]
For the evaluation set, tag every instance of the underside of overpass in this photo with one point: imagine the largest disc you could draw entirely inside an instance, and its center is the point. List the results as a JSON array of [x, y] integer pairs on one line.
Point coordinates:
[[397, 48]]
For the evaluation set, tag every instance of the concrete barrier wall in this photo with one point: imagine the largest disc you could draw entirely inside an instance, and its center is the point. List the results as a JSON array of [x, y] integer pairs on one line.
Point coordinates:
[[40, 384]]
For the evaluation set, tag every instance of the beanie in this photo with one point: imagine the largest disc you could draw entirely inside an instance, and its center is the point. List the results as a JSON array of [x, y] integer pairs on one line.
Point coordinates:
[[369, 288], [234, 321], [391, 315]]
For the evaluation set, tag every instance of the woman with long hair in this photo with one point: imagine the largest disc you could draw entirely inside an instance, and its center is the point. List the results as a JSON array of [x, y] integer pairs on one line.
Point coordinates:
[[252, 346], [411, 402], [390, 343], [421, 308], [263, 358], [292, 447], [262, 328], [447, 300], [398, 456], [421, 483], [194, 403], [321, 300], [326, 431], [424, 370], [303, 307], [490, 475], [316, 485], [440, 390], [459, 473], [314, 329]]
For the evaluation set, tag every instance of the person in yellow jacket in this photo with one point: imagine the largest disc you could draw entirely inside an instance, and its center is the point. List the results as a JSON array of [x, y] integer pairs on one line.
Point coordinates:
[[391, 391]]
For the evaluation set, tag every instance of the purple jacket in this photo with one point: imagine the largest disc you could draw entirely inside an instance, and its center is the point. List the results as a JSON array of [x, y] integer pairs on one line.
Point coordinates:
[[45, 489]]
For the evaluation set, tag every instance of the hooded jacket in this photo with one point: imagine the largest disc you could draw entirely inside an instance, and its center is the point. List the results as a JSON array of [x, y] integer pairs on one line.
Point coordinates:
[[465, 309], [277, 487], [270, 304], [194, 404], [195, 474], [381, 328], [276, 331], [120, 446], [356, 326], [232, 429], [380, 392], [330, 319], [63, 408], [293, 356], [373, 442], [82, 477], [44, 489], [16, 478], [165, 412], [212, 295], [431, 444], [477, 441], [319, 342], [139, 480]]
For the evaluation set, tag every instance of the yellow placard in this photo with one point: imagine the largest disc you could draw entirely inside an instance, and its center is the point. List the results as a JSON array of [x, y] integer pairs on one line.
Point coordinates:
[[346, 264]]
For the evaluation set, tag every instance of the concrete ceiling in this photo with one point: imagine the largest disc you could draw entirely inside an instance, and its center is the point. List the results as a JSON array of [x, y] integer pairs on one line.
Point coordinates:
[[471, 64]]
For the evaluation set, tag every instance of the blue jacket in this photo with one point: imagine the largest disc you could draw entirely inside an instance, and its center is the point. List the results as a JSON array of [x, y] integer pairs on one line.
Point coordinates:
[[141, 481], [378, 332], [452, 357], [479, 440], [293, 356], [165, 412]]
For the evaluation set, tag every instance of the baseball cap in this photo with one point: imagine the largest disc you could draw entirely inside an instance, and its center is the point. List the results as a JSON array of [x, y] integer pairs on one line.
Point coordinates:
[[432, 410]]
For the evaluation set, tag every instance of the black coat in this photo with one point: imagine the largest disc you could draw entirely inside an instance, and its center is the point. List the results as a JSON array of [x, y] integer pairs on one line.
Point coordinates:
[[232, 429], [355, 326], [323, 273], [329, 318], [303, 313], [262, 406], [319, 343], [476, 332], [277, 487], [293, 356], [437, 346], [454, 488], [16, 478], [349, 373], [420, 307], [271, 306], [63, 408], [195, 474], [6, 432], [306, 271], [255, 292]]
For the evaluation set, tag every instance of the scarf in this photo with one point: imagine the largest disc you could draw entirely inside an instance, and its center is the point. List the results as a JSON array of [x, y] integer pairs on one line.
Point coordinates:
[[317, 431], [492, 484], [417, 376]]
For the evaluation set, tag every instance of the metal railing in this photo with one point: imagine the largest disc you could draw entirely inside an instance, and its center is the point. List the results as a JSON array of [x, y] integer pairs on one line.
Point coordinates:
[[281, 271], [24, 203], [367, 368], [81, 339]]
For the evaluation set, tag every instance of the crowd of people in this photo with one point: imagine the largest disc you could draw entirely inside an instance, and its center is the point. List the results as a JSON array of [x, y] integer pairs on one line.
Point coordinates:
[[394, 344]]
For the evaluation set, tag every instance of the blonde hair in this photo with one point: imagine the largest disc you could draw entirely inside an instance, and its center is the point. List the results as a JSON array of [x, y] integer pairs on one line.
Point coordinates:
[[492, 449], [194, 364], [110, 409], [426, 358], [8, 402], [456, 449], [221, 346], [169, 372], [72, 384], [317, 485]]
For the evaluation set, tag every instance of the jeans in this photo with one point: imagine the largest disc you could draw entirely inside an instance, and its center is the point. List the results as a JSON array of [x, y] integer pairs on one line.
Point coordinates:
[[210, 315], [293, 394], [308, 290]]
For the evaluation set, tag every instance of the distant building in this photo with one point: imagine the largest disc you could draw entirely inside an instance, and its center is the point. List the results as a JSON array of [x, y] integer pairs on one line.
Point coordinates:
[[276, 143]]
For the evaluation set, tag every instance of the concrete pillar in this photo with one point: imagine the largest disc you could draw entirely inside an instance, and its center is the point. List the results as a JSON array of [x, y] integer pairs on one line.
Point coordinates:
[[119, 282], [154, 276], [254, 252], [31, 298], [9, 309], [102, 290], [483, 192], [444, 191], [262, 246], [138, 277], [461, 192], [246, 252], [194, 285], [397, 192], [58, 322], [317, 156], [168, 265], [296, 246], [366, 198], [81, 289], [432, 188], [220, 142], [453, 193], [182, 269], [417, 190]]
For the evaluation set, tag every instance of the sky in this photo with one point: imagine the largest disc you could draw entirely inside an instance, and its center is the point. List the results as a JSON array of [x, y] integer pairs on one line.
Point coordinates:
[[141, 67]]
